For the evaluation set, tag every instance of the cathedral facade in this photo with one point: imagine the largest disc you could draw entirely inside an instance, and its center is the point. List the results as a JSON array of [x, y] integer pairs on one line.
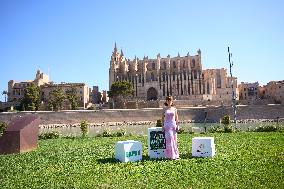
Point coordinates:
[[181, 77]]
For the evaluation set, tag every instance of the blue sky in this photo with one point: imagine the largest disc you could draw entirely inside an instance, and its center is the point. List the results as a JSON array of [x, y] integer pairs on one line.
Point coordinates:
[[74, 39]]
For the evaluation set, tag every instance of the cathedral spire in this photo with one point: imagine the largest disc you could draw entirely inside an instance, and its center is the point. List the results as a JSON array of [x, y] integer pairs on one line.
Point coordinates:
[[121, 52], [199, 51], [115, 48]]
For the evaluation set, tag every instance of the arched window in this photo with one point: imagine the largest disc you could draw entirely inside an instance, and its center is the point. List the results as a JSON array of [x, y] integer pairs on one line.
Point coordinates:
[[164, 76], [218, 79], [153, 65], [174, 76], [152, 76], [193, 63], [195, 74], [174, 64], [183, 65], [208, 92], [165, 65]]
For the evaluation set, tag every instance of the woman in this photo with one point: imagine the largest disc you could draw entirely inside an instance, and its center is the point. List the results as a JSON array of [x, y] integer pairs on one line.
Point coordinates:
[[170, 127]]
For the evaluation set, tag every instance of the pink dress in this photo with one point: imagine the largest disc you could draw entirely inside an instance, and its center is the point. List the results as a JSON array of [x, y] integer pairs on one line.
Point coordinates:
[[170, 127]]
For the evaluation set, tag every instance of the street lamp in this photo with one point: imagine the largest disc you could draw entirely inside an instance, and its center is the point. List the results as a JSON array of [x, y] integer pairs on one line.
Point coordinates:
[[233, 92], [136, 75]]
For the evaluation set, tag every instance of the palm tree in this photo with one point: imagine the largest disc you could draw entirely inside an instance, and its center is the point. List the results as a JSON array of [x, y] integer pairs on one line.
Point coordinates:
[[5, 93]]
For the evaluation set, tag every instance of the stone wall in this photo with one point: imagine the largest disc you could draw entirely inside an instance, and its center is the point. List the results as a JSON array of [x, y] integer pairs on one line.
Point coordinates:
[[131, 115], [139, 104], [160, 103]]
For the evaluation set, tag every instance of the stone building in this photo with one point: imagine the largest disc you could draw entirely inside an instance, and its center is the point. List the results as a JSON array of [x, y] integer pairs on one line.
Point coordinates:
[[104, 96], [249, 93], [181, 77], [16, 89], [274, 90], [253, 93], [81, 88], [95, 95]]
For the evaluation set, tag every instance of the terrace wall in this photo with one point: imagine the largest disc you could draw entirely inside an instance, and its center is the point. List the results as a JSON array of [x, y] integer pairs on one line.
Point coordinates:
[[134, 115]]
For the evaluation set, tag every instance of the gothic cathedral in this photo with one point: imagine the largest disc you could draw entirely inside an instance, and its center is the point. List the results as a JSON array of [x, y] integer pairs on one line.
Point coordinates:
[[180, 77]]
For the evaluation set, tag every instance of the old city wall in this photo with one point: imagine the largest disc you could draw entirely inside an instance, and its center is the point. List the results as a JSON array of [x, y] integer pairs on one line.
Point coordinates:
[[133, 115]]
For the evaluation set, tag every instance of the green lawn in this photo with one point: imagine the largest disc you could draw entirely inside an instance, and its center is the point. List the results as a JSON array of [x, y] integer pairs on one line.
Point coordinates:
[[243, 160]]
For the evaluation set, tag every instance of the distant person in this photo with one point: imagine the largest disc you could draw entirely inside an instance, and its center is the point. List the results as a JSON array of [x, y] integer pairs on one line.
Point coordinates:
[[170, 127]]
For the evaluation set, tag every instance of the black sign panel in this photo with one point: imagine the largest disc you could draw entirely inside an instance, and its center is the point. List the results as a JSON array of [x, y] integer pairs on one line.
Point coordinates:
[[157, 140]]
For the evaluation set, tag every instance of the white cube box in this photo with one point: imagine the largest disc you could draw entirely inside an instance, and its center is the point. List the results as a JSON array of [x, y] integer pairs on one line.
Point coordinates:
[[129, 150], [203, 147], [156, 142]]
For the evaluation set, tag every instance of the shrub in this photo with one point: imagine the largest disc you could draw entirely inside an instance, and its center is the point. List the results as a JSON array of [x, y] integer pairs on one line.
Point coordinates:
[[49, 135], [107, 133], [84, 128], [70, 136], [159, 123], [228, 128], [181, 131], [120, 133], [226, 121], [215, 129], [3, 126], [268, 128]]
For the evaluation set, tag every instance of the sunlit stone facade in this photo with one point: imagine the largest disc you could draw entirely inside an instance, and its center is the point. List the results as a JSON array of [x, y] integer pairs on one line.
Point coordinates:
[[16, 89], [181, 77]]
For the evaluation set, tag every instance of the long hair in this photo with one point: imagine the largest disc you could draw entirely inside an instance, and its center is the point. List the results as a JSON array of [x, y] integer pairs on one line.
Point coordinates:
[[167, 99]]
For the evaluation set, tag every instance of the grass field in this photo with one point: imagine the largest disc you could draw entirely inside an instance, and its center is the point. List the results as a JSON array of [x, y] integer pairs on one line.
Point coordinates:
[[243, 160]]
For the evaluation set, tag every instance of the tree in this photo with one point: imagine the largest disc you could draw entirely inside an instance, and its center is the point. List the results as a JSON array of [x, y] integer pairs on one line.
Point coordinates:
[[72, 97], [120, 90], [84, 128], [31, 99], [5, 93], [226, 121], [56, 99], [3, 126]]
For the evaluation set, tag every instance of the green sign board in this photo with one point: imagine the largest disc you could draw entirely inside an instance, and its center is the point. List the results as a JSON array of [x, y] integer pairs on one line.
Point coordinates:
[[132, 153]]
